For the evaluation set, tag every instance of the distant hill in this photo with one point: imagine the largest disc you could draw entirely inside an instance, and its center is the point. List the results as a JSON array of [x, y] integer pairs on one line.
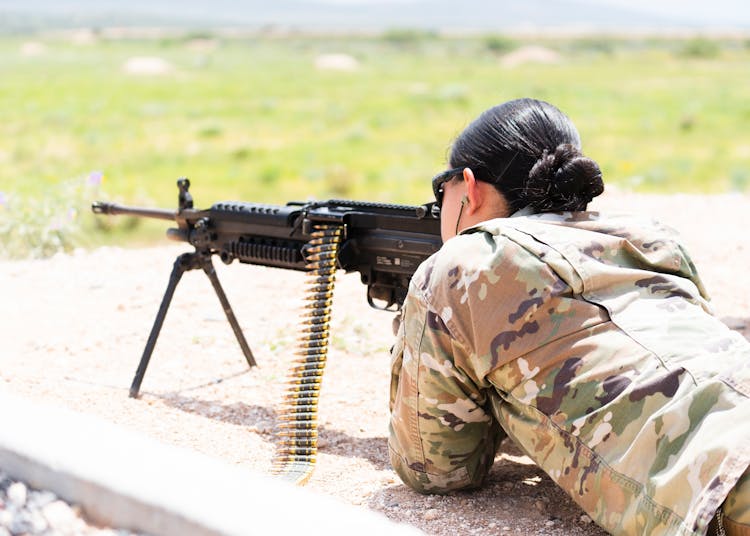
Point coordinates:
[[484, 15]]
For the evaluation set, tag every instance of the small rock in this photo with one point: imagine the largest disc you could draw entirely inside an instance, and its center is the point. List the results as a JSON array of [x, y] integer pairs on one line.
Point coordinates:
[[21, 523], [59, 515], [506, 528], [78, 527], [586, 519], [550, 523], [37, 522], [263, 428], [17, 494], [6, 518], [147, 66], [540, 506], [492, 525], [40, 498], [336, 62], [33, 48], [530, 54], [431, 514]]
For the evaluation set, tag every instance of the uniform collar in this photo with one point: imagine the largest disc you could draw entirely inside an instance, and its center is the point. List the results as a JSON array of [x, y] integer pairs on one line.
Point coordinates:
[[525, 211]]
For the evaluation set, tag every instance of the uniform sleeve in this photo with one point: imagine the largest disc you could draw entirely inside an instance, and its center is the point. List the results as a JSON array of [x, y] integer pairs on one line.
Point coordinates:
[[441, 436]]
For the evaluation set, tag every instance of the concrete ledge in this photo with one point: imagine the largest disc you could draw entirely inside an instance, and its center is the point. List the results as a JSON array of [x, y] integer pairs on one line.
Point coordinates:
[[127, 480]]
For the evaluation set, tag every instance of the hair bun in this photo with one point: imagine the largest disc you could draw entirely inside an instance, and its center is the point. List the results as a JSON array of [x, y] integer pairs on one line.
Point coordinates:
[[562, 181]]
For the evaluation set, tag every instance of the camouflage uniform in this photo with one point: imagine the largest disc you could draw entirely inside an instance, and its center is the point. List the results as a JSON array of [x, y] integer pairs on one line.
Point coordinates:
[[589, 341]]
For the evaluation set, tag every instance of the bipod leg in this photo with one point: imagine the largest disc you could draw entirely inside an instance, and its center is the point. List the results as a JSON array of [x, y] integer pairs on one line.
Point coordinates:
[[181, 264], [208, 267]]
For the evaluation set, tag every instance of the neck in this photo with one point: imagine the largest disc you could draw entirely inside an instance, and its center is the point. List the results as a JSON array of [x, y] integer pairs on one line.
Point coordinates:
[[493, 206]]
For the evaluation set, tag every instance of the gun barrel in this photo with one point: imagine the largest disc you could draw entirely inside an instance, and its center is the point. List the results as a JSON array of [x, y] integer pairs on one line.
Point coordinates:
[[100, 207]]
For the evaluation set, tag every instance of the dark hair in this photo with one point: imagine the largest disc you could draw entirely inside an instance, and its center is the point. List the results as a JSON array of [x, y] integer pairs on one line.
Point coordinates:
[[531, 152]]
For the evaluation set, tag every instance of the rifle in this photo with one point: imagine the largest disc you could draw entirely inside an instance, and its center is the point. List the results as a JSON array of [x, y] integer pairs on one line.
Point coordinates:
[[383, 242]]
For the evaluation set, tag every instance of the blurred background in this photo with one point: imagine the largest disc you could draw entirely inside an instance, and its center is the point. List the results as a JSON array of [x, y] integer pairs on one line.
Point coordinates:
[[311, 99]]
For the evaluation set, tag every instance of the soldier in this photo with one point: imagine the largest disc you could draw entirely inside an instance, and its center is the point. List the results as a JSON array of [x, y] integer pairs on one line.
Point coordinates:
[[586, 338]]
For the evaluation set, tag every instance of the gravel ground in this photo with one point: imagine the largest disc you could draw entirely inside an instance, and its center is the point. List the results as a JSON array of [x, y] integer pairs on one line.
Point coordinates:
[[28, 511], [73, 329]]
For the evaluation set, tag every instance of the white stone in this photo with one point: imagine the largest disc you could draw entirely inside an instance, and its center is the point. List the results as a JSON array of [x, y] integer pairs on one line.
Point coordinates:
[[83, 37], [336, 62], [530, 54], [17, 494], [33, 48], [147, 66], [37, 522], [59, 515], [6, 518]]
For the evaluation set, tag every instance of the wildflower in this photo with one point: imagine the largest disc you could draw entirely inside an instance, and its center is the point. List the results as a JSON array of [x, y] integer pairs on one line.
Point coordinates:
[[95, 178], [55, 225]]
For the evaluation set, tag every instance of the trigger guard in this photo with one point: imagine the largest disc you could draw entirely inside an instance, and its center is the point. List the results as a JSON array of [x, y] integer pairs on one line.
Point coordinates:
[[391, 306]]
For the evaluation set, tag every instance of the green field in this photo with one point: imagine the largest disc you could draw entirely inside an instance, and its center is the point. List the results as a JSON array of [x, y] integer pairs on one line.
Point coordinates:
[[253, 118]]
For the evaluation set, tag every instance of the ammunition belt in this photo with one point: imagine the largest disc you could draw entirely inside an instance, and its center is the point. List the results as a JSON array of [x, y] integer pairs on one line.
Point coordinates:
[[297, 431]]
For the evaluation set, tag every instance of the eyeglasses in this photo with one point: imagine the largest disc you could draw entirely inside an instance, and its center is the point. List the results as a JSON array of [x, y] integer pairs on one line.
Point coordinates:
[[438, 182]]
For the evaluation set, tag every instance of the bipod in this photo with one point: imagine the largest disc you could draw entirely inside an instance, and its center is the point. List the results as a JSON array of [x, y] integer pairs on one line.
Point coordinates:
[[183, 263]]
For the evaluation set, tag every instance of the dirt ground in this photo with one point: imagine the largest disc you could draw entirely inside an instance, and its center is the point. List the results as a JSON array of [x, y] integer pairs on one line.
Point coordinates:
[[73, 329]]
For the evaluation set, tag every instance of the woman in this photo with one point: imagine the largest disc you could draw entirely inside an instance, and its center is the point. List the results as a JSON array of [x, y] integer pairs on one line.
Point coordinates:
[[585, 338]]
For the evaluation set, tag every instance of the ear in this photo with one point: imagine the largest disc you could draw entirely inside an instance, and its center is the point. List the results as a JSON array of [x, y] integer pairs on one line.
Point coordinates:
[[474, 192]]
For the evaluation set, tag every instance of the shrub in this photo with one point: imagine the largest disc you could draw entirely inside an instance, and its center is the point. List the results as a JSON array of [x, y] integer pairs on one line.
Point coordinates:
[[406, 37], [739, 180], [597, 45], [700, 47], [499, 44], [41, 227]]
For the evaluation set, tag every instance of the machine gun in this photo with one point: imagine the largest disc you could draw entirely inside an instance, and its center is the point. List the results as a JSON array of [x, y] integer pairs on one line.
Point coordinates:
[[383, 242]]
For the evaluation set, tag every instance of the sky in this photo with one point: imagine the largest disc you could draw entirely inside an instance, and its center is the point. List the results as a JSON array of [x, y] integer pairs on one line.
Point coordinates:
[[695, 13], [695, 9], [705, 10]]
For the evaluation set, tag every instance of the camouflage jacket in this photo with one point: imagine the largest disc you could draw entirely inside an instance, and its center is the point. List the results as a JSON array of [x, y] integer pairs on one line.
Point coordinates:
[[589, 341]]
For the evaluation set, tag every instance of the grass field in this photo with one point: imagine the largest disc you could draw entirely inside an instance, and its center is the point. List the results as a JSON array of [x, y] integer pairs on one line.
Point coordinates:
[[254, 118]]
